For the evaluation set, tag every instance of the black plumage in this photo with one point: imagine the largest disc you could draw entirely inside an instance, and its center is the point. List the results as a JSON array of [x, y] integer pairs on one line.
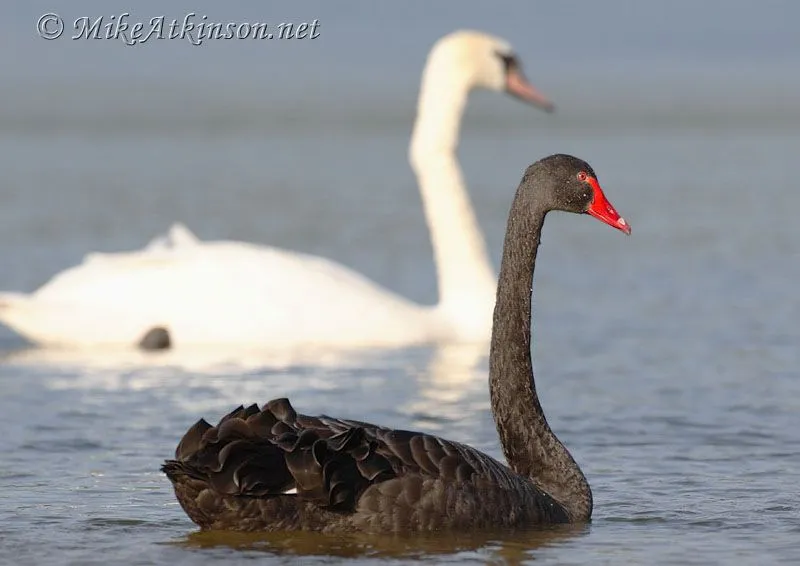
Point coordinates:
[[273, 469]]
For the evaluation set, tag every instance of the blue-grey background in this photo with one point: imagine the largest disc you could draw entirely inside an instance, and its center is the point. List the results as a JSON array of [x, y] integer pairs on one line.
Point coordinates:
[[667, 361]]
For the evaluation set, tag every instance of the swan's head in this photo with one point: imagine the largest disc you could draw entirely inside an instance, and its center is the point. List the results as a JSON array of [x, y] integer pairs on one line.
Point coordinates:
[[473, 59], [564, 182]]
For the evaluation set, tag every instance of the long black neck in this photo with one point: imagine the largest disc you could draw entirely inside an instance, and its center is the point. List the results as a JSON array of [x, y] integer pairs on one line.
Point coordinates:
[[531, 448]]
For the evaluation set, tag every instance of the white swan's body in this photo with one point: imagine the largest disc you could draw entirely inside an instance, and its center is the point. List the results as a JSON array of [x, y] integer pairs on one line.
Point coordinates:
[[213, 292], [235, 292]]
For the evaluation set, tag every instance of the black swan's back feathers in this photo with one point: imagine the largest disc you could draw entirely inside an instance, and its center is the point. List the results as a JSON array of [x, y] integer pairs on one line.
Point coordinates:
[[347, 475]]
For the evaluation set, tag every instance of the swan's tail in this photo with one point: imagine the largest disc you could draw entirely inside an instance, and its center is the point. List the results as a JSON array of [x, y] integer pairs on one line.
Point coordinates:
[[14, 309], [10, 301], [64, 324]]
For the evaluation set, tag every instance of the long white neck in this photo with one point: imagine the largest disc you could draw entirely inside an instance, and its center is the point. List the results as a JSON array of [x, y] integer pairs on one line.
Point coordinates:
[[464, 271]]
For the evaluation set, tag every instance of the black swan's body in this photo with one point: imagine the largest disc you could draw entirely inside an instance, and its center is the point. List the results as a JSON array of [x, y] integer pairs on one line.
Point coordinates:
[[273, 469]]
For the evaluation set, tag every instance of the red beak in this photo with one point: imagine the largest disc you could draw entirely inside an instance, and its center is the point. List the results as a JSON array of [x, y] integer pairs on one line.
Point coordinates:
[[602, 209], [518, 85]]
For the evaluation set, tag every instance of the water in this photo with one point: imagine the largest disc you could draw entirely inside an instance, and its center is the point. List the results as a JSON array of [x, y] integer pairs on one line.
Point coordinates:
[[667, 362]]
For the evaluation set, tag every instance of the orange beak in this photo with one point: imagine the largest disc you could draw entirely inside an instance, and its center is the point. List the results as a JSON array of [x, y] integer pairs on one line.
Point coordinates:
[[518, 85]]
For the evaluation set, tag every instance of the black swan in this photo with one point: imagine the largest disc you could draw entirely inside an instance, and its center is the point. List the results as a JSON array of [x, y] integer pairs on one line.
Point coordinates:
[[272, 469]]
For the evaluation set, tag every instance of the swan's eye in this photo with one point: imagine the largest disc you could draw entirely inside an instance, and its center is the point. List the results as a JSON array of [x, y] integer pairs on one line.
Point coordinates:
[[509, 60], [582, 176]]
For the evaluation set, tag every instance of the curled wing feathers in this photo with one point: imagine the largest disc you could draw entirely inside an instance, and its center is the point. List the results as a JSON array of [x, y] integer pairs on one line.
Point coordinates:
[[265, 452]]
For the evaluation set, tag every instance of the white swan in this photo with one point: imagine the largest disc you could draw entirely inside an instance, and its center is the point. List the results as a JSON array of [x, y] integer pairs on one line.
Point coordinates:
[[235, 292]]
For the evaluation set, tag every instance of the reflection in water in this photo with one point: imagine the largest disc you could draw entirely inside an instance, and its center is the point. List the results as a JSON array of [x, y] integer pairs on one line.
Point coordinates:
[[451, 379], [199, 359], [455, 373], [491, 548], [451, 374]]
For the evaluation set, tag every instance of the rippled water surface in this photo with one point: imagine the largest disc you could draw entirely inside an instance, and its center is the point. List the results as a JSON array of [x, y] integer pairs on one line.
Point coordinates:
[[667, 362]]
